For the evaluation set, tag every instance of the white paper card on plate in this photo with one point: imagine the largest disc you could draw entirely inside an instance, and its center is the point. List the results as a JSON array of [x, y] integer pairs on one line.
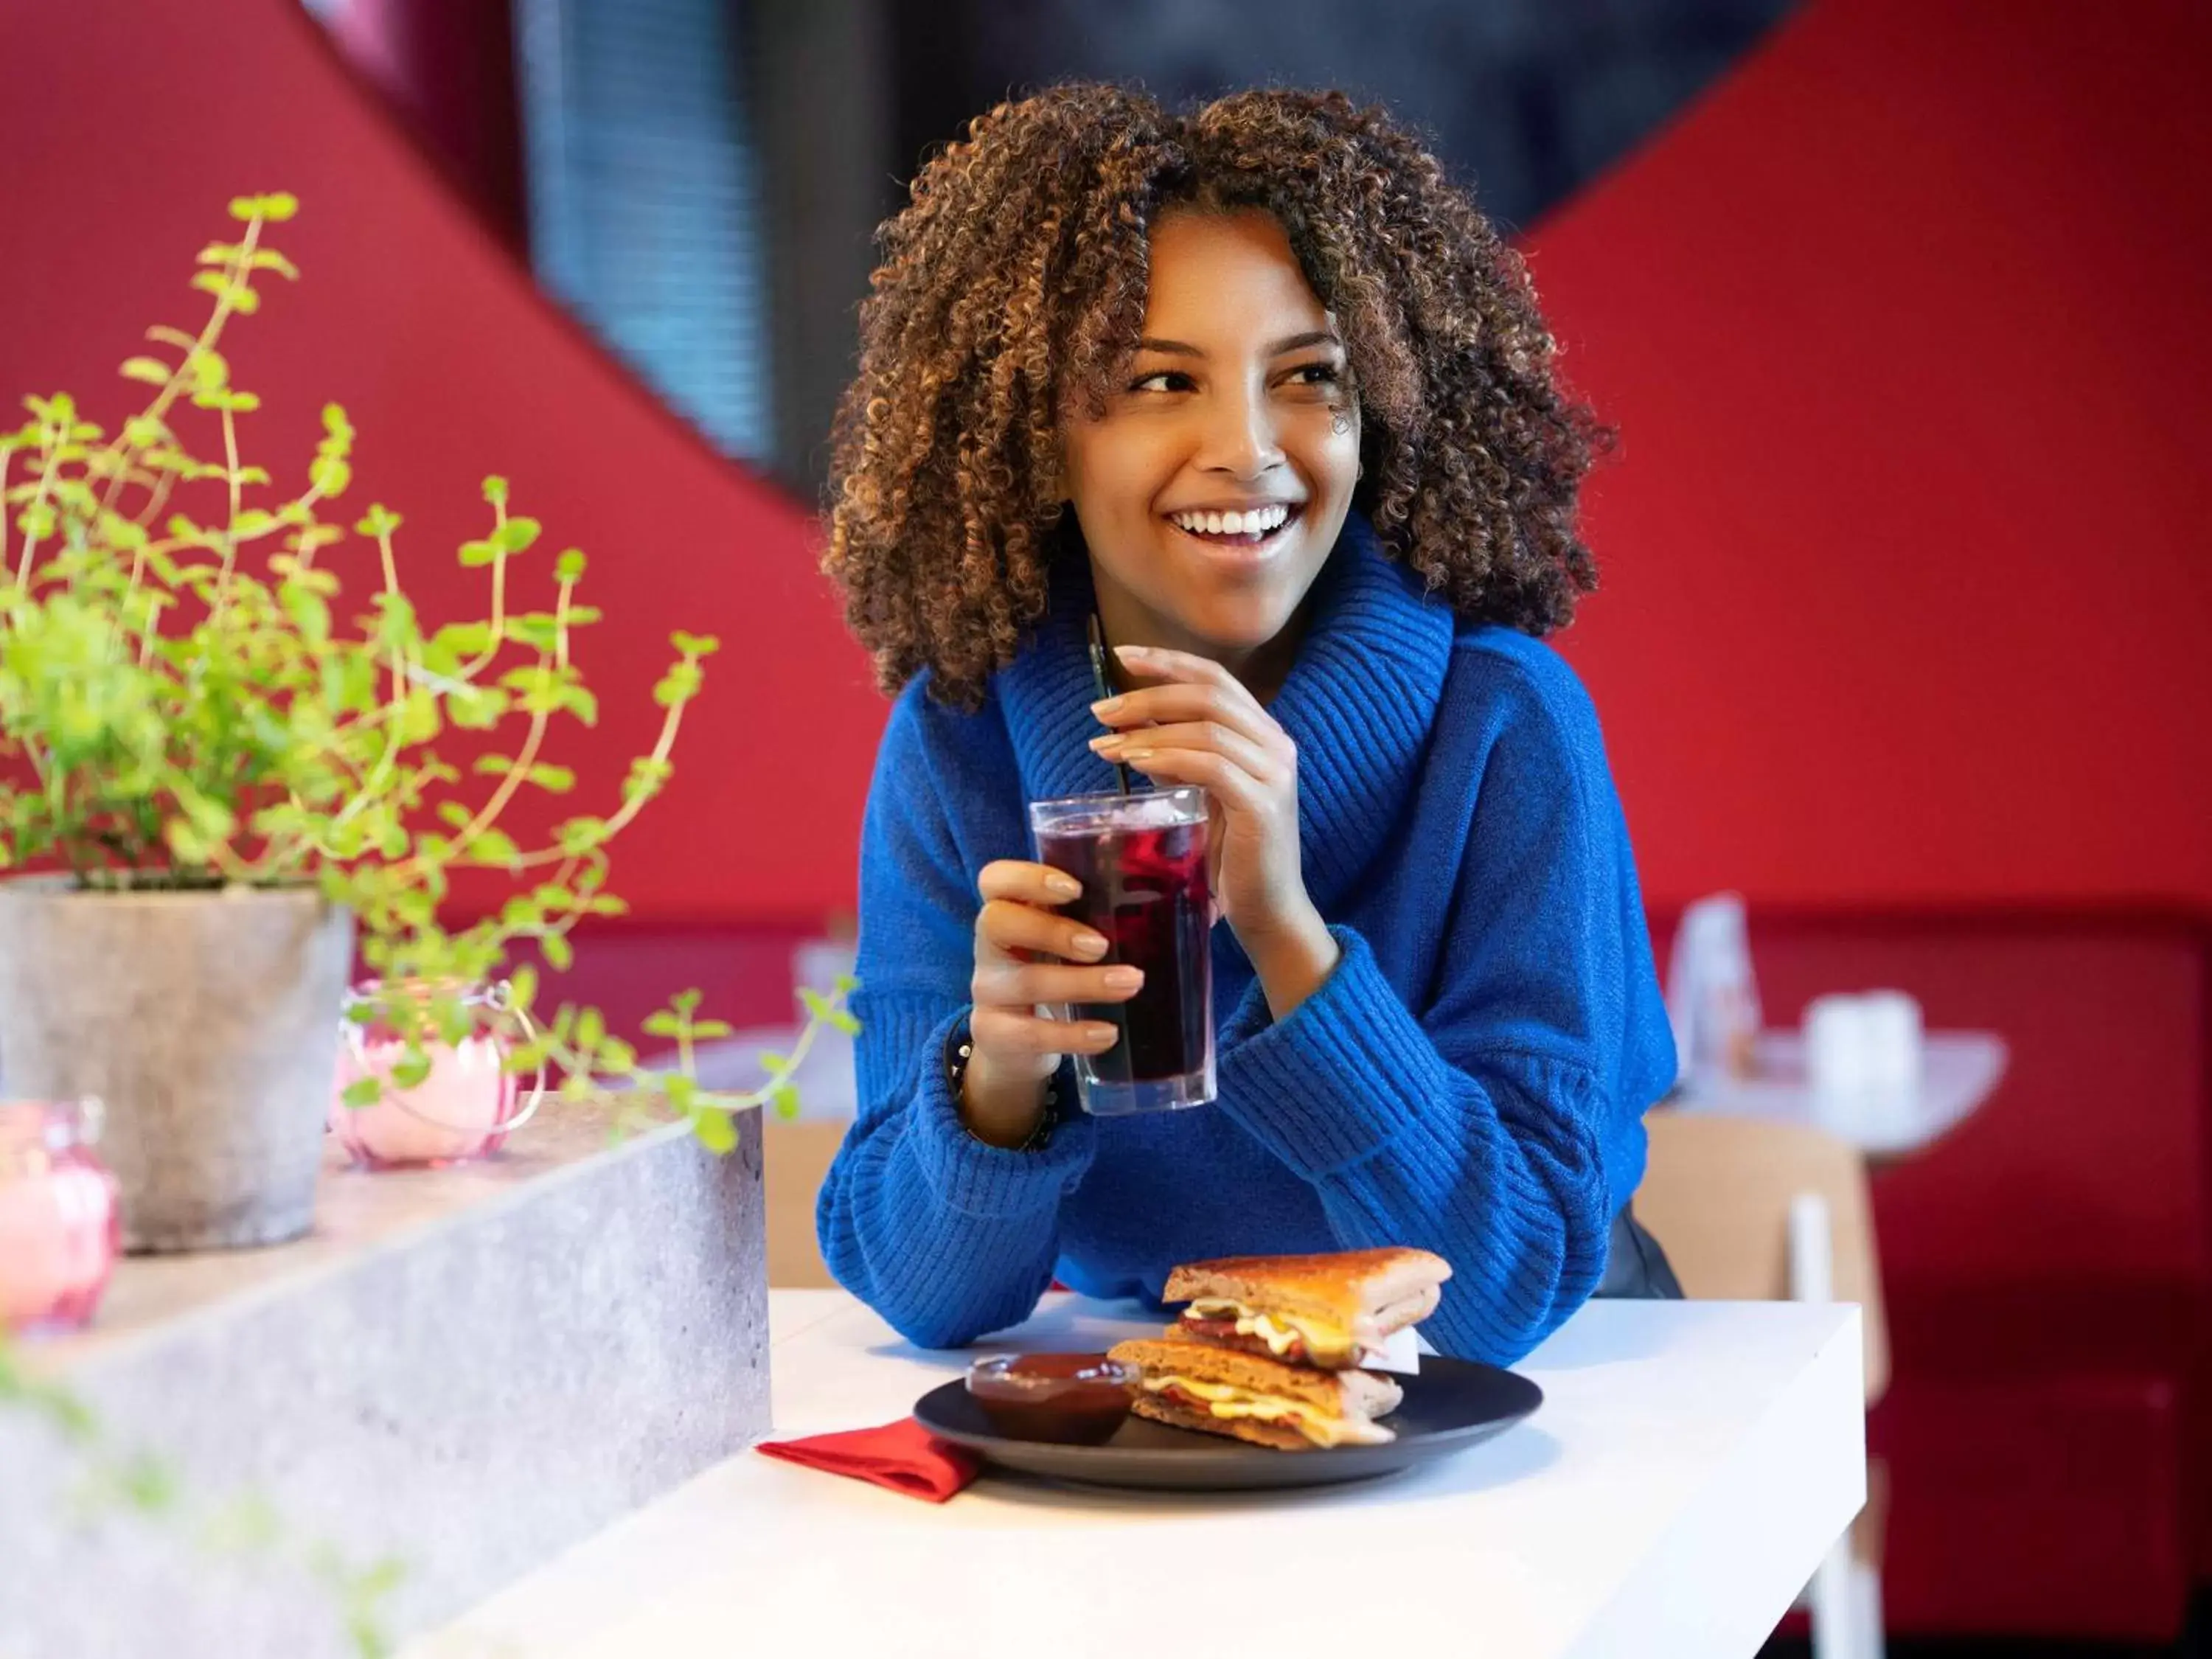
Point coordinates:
[[1401, 1354]]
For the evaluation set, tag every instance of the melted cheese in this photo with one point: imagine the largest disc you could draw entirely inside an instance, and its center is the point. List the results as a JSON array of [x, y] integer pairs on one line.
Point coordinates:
[[1324, 1428], [1323, 1340]]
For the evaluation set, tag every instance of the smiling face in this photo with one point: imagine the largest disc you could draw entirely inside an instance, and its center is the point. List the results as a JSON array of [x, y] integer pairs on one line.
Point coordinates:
[[1212, 488]]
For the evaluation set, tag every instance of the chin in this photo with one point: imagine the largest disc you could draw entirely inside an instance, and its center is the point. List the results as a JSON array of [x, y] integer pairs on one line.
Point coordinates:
[[1236, 624]]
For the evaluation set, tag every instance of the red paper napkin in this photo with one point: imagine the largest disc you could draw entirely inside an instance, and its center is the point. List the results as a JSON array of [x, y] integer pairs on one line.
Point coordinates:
[[902, 1455]]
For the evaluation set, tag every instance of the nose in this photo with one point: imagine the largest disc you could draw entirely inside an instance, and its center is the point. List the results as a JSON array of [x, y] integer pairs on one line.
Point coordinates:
[[1238, 436]]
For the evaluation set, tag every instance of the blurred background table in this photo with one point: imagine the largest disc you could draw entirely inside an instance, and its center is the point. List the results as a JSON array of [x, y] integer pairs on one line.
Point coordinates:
[[1959, 1071]]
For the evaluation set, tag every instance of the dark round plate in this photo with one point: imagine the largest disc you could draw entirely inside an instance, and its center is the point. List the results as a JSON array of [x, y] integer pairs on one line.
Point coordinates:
[[1450, 1406]]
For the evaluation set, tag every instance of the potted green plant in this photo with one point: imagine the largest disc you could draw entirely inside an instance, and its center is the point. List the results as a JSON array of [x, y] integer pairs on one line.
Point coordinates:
[[220, 769]]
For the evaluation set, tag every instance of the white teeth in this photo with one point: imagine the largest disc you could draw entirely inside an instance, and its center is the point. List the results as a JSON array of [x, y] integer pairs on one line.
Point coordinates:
[[1259, 521]]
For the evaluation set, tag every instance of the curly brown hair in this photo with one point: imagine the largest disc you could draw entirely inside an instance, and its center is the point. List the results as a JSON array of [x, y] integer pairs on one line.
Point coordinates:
[[1012, 288]]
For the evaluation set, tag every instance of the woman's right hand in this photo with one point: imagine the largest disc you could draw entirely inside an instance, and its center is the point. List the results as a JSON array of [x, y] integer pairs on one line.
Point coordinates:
[[1027, 953]]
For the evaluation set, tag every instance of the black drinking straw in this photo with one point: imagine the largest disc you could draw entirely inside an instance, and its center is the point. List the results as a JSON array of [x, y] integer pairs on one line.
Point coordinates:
[[1104, 679]]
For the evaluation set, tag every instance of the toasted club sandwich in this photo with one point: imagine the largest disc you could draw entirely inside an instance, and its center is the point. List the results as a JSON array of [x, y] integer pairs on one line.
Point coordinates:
[[1328, 1311], [1198, 1385]]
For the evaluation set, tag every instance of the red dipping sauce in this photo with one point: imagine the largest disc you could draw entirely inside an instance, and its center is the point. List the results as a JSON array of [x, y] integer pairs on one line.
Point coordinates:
[[1070, 1398]]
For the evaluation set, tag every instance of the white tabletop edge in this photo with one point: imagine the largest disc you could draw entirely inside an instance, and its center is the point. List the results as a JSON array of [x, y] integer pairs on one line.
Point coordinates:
[[1691, 1462]]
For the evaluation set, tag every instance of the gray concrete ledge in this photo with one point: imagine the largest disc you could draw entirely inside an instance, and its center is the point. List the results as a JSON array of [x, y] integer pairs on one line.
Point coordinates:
[[471, 1369]]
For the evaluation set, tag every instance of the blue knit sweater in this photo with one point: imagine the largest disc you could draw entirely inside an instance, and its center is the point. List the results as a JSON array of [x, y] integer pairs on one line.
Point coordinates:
[[1472, 1078]]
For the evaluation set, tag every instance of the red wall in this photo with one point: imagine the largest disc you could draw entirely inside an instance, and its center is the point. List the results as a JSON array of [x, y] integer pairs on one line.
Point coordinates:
[[123, 143], [1908, 579], [1904, 327]]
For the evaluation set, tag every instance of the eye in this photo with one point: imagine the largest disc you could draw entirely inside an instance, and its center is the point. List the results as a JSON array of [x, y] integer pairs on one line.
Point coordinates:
[[1165, 379], [1323, 374]]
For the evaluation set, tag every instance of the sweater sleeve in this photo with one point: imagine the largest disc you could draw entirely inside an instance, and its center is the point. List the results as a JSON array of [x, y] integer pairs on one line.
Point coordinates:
[[943, 1235], [1476, 1127]]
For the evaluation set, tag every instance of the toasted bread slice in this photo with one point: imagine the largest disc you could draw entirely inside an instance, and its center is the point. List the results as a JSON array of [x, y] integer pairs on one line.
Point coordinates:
[[1240, 1428], [1324, 1407], [1367, 1295]]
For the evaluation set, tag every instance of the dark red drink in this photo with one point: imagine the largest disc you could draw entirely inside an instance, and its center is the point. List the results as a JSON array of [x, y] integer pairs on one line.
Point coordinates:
[[1142, 863]]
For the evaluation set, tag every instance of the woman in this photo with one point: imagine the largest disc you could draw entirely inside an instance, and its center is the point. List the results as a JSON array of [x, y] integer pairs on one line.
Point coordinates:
[[1099, 331]]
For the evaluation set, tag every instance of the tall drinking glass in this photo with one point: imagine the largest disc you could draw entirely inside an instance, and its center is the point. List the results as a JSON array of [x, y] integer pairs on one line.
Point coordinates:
[[1141, 859]]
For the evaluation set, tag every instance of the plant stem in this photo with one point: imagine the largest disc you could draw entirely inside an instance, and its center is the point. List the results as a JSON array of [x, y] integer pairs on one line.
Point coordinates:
[[121, 446]]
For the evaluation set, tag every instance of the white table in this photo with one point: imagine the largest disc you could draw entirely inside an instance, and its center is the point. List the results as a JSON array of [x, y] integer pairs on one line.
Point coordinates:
[[1958, 1070], [1691, 1463]]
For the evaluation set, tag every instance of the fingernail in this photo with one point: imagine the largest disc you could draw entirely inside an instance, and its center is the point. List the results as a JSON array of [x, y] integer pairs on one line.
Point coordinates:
[[1136, 757], [1105, 706], [1091, 944], [1102, 745], [1107, 1034], [1133, 651], [1124, 979], [1065, 887]]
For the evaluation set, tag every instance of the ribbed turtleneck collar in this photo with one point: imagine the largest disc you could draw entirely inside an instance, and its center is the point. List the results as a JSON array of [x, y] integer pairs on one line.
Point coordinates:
[[1358, 702]]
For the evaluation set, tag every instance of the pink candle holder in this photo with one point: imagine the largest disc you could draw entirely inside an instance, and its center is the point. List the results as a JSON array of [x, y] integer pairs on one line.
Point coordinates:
[[466, 1107], [60, 1228]]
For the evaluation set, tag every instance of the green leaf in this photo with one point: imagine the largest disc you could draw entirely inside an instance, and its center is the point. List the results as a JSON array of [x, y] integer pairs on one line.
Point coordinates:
[[494, 765], [411, 1072], [516, 534], [380, 521], [560, 955], [569, 567], [845, 1023], [663, 1024], [278, 206], [244, 207], [783, 1097], [522, 985], [148, 1485], [495, 490], [711, 1028], [590, 1029], [716, 1131], [308, 612], [695, 645], [419, 720], [817, 1005], [493, 847], [553, 780], [152, 371], [678, 685], [684, 1002], [475, 708], [329, 475], [363, 1091], [580, 835], [464, 639]]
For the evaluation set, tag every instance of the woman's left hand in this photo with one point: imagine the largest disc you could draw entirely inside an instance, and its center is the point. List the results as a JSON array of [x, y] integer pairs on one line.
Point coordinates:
[[1199, 724]]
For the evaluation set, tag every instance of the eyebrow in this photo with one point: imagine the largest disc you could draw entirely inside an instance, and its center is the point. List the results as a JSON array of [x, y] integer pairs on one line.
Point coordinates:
[[1291, 343]]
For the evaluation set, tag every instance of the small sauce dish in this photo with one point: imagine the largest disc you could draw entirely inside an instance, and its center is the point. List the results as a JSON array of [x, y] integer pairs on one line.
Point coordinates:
[[1068, 1399]]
